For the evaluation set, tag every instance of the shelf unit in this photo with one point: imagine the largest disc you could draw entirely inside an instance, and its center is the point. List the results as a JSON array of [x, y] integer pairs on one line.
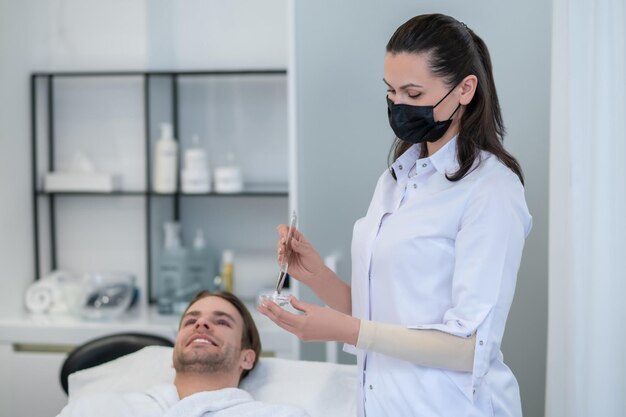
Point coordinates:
[[48, 201]]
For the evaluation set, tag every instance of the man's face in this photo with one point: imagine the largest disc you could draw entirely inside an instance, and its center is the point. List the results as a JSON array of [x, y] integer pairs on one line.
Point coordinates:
[[209, 339]]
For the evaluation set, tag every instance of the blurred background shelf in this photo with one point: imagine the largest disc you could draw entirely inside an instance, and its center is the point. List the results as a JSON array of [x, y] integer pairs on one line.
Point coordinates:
[[113, 118]]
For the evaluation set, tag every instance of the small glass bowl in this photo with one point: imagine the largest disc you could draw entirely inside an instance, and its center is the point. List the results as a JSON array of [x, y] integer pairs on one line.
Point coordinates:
[[105, 295], [281, 299]]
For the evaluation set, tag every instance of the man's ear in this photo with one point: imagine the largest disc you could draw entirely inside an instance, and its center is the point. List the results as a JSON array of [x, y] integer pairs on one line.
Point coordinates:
[[247, 358], [468, 88]]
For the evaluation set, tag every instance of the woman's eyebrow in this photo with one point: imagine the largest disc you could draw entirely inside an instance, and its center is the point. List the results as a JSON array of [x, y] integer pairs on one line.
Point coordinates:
[[405, 85]]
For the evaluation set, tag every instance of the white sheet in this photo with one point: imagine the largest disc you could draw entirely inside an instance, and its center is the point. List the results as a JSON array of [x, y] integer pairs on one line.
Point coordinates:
[[322, 389]]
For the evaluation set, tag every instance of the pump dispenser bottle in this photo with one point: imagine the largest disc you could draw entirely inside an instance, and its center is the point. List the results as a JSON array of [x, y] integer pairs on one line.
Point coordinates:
[[201, 266], [172, 274], [165, 161]]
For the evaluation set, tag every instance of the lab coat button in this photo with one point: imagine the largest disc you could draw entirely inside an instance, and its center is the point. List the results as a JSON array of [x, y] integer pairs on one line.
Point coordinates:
[[414, 185], [480, 342], [371, 387], [424, 165], [400, 167]]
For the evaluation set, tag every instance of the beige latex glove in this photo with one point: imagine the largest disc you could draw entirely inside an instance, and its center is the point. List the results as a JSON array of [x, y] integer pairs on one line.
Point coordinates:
[[423, 347]]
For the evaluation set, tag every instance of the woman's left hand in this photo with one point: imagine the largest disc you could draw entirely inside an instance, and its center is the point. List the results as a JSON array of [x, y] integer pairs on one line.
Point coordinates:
[[315, 324]]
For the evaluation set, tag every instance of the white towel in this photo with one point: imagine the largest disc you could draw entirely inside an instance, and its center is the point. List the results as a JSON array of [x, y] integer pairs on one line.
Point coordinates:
[[153, 402], [230, 402], [163, 401], [44, 296]]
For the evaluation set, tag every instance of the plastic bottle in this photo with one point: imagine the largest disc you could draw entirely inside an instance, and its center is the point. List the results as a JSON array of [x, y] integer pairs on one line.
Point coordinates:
[[172, 275], [228, 258], [201, 266], [195, 176], [165, 161]]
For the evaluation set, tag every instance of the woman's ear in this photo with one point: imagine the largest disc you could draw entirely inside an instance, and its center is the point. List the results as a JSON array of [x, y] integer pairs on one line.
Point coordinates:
[[468, 88]]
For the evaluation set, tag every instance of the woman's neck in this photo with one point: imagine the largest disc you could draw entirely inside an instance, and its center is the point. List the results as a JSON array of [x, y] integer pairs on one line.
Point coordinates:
[[433, 147]]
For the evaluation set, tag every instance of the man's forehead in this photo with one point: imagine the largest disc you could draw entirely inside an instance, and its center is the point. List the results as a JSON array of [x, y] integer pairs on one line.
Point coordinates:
[[213, 305]]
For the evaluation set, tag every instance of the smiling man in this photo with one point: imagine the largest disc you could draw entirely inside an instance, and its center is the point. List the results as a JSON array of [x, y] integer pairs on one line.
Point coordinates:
[[217, 345], [217, 337]]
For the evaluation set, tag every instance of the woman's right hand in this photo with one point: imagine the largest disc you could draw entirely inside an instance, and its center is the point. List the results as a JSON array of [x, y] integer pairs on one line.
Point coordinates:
[[305, 263]]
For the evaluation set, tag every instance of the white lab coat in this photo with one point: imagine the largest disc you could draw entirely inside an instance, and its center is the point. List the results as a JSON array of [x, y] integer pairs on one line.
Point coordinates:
[[436, 254]]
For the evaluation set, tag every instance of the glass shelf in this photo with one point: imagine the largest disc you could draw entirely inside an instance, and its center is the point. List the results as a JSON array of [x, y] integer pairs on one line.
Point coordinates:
[[270, 190], [91, 193]]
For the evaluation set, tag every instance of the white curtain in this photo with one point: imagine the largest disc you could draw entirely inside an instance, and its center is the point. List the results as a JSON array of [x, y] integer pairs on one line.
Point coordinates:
[[586, 372]]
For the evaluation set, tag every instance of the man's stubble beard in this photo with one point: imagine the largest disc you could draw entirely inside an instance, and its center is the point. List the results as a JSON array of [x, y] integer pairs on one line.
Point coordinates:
[[202, 361]]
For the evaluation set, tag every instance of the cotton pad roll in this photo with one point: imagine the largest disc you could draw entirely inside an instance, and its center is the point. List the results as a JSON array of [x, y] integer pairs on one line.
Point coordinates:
[[40, 297]]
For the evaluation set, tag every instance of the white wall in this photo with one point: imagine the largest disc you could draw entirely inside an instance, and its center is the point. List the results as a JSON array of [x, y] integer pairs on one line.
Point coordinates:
[[42, 35], [15, 216]]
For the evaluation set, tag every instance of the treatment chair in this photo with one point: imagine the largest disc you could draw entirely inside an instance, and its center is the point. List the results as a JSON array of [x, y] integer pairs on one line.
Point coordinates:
[[105, 349]]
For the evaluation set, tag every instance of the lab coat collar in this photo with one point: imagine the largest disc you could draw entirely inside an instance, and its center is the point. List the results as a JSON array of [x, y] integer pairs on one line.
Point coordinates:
[[401, 167], [444, 161]]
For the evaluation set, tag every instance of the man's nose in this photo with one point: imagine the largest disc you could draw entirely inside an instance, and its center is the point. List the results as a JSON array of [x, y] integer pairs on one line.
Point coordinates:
[[202, 323]]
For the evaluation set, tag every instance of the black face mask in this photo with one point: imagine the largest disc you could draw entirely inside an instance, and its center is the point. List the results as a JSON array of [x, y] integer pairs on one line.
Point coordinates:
[[416, 124]]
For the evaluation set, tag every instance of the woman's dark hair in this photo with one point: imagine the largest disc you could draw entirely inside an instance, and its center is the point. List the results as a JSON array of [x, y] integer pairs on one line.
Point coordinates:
[[250, 338], [454, 51]]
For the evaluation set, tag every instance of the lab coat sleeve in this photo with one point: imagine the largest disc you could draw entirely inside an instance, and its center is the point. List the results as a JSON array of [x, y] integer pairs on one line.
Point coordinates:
[[488, 250]]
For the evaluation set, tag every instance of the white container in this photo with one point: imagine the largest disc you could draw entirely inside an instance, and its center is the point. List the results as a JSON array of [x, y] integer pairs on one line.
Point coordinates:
[[80, 181], [228, 180], [195, 177], [165, 161]]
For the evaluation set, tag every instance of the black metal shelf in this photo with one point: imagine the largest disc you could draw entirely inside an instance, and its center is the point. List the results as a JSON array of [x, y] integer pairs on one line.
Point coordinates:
[[91, 193], [245, 193], [42, 198], [269, 71]]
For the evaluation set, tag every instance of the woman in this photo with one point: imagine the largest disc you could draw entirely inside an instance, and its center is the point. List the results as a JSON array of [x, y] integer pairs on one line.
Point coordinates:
[[435, 259]]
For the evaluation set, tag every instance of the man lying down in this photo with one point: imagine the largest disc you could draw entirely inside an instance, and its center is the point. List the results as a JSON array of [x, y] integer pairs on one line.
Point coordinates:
[[217, 345]]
